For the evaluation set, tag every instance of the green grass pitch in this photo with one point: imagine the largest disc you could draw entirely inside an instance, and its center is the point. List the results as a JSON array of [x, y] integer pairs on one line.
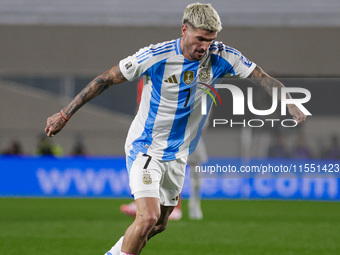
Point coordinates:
[[92, 226]]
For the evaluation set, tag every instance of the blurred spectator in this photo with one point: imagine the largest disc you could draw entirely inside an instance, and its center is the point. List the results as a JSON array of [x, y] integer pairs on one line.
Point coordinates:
[[78, 149], [47, 148], [333, 150], [278, 148], [14, 148], [300, 149]]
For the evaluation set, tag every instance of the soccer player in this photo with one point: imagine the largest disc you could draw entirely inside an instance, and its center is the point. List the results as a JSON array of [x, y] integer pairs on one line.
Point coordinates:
[[131, 209], [198, 157], [169, 122]]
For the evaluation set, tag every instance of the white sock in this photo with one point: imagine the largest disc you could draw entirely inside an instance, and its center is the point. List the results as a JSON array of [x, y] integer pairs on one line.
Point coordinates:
[[115, 250]]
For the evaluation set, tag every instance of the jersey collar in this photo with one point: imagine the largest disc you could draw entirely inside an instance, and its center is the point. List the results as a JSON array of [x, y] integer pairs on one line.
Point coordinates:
[[178, 46]]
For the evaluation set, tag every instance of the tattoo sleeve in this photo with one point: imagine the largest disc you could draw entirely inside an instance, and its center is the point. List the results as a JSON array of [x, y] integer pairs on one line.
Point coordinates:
[[261, 78], [94, 88]]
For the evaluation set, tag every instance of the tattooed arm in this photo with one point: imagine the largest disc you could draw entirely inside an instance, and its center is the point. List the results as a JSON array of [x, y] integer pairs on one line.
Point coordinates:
[[261, 78], [56, 122]]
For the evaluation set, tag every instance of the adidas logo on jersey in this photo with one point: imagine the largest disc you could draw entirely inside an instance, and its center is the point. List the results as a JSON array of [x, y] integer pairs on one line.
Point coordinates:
[[172, 79]]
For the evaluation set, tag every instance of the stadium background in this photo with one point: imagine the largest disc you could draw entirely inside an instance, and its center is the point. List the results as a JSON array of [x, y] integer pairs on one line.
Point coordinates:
[[57, 47], [51, 49]]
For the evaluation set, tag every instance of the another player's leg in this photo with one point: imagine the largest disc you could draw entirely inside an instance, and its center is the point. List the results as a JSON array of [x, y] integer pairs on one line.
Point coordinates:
[[129, 209], [195, 211], [198, 157]]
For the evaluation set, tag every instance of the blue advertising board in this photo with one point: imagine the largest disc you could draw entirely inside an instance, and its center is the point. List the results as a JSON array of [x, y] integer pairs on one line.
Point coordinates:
[[231, 178]]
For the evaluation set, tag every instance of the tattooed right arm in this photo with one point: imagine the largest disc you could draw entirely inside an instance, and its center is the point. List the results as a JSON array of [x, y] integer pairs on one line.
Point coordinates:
[[102, 82], [93, 89]]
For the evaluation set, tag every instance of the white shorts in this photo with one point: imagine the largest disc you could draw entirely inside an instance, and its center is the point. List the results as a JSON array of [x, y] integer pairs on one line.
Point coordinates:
[[149, 177]]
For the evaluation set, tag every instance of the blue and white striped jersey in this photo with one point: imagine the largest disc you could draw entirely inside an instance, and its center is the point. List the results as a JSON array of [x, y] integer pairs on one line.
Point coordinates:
[[169, 122]]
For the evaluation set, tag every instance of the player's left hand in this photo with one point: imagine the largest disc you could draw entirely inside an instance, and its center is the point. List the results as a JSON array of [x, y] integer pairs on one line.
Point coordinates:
[[297, 114]]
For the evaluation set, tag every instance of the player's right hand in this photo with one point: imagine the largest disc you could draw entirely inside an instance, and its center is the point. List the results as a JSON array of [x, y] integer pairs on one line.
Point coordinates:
[[54, 124]]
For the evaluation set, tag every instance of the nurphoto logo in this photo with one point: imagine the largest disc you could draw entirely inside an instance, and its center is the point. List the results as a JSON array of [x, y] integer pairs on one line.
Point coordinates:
[[239, 105]]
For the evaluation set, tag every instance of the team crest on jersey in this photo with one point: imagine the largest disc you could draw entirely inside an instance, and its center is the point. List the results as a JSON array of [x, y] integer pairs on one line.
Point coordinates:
[[146, 177], [188, 77], [204, 75]]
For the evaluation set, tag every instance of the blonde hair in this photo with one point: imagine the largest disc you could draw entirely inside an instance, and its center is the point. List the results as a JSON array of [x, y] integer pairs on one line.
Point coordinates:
[[202, 16]]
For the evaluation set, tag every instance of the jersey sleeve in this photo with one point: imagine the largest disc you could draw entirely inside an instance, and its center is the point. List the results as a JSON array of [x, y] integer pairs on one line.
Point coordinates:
[[131, 67], [138, 64], [241, 66]]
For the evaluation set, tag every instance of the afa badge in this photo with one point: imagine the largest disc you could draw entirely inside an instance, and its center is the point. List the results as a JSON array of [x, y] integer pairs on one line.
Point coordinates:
[[204, 75], [146, 177]]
